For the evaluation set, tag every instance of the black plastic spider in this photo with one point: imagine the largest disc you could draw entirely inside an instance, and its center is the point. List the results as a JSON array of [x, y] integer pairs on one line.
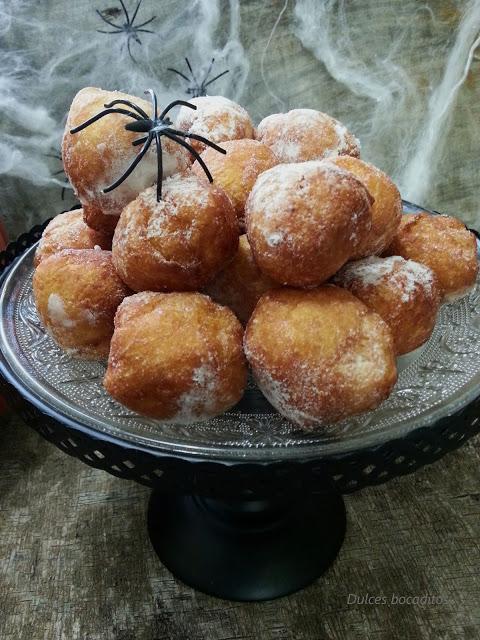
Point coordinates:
[[129, 28], [198, 88], [57, 156], [154, 127]]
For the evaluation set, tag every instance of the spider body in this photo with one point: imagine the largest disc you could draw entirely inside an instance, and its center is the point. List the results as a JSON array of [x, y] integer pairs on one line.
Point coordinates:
[[196, 88], [128, 28], [155, 127]]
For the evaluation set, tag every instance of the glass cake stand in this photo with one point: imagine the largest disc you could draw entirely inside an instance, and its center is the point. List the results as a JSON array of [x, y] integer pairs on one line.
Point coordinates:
[[244, 506]]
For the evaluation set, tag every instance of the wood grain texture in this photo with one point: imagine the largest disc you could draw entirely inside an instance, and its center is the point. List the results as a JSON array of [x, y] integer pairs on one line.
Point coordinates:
[[76, 562]]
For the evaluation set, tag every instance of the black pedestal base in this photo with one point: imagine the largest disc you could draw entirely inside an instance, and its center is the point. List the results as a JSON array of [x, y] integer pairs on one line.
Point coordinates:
[[247, 550]]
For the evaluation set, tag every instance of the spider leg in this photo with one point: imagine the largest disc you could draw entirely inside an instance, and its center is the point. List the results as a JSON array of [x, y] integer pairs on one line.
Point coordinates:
[[208, 72], [131, 167], [158, 142], [102, 31], [132, 105], [179, 73], [56, 173], [175, 103], [130, 51], [144, 30], [216, 78], [135, 12], [53, 155], [194, 153], [194, 136], [135, 143], [112, 24], [145, 23], [125, 11], [136, 38], [90, 121], [191, 70], [153, 98]]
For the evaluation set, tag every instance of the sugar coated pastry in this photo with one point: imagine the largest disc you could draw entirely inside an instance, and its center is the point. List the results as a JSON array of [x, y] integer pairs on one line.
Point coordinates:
[[320, 355], [237, 171], [306, 134], [216, 118], [69, 231], [97, 156], [305, 220], [442, 243], [176, 357], [404, 293], [386, 207], [179, 243], [77, 292], [240, 284]]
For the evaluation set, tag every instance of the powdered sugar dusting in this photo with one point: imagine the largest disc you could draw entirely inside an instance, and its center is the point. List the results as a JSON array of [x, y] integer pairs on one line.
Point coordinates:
[[56, 312], [306, 391], [306, 134], [178, 192], [216, 118], [275, 238], [278, 395], [274, 187], [289, 150], [200, 401], [112, 155], [354, 233], [406, 275], [345, 140]]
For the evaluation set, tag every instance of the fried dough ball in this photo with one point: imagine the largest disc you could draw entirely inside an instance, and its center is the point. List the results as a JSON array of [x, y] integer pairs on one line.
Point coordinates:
[[77, 292], [306, 134], [176, 357], [216, 118], [98, 155], [69, 231], [404, 293], [96, 219], [386, 208], [241, 284], [442, 243], [305, 220], [237, 171], [319, 356], [179, 243]]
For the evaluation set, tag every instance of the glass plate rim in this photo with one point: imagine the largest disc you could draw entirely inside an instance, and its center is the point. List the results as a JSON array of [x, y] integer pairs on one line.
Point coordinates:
[[318, 450]]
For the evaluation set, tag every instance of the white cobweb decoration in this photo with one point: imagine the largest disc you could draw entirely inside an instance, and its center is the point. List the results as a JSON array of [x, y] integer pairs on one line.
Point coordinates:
[[50, 54], [396, 74], [402, 118]]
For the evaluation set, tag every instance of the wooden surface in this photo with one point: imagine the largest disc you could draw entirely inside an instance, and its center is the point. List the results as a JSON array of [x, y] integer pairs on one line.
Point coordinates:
[[76, 562]]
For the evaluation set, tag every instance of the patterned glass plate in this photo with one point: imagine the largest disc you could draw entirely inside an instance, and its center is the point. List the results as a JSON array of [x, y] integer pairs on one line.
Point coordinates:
[[434, 381]]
